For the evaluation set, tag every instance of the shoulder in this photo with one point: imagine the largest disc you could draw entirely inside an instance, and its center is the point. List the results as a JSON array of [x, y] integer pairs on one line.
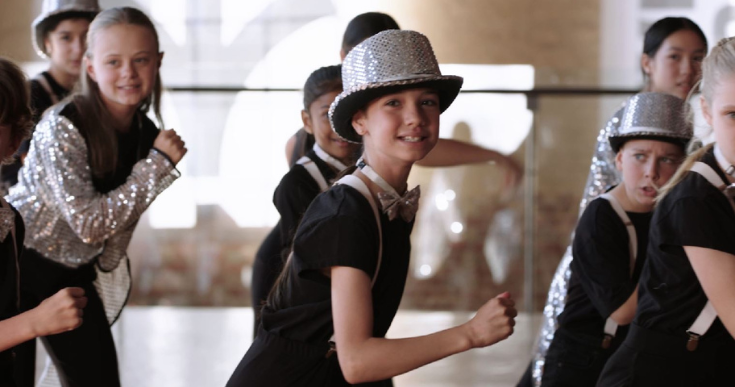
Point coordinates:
[[59, 124], [598, 209], [340, 202], [694, 189], [599, 221], [297, 178]]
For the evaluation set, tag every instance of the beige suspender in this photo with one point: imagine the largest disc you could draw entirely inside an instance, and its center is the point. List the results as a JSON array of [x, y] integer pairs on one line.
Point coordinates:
[[611, 327], [708, 314], [313, 170]]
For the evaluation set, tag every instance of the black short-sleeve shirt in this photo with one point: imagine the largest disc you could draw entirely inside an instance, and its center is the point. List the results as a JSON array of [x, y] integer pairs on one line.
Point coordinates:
[[601, 280], [292, 197], [694, 213], [339, 229], [9, 296]]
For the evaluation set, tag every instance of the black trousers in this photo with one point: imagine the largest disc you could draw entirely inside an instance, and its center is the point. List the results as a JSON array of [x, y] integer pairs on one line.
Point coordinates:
[[651, 358], [83, 357], [575, 359]]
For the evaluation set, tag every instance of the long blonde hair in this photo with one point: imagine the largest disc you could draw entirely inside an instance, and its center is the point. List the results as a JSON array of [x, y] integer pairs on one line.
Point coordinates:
[[97, 125], [720, 63]]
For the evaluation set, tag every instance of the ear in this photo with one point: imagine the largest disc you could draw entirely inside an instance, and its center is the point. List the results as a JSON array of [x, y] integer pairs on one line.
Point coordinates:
[[89, 68], [359, 122], [306, 119], [160, 59], [47, 45], [619, 159], [705, 110], [342, 54], [646, 64]]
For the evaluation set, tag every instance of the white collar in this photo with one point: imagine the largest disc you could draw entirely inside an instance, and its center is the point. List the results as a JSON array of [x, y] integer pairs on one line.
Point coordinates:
[[328, 159]]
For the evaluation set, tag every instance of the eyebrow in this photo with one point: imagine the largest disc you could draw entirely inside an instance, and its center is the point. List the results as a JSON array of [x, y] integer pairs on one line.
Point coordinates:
[[681, 49]]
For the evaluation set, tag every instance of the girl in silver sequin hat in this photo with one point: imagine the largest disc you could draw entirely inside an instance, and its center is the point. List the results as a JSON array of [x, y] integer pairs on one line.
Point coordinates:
[[671, 58], [54, 12], [59, 35], [390, 61], [610, 241], [325, 321], [683, 333]]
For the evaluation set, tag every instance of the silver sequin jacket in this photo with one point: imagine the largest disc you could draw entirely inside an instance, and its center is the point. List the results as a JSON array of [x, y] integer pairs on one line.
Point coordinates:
[[66, 219]]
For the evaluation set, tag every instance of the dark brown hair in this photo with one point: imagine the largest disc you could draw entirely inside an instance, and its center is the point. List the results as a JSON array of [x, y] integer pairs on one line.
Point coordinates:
[[15, 110], [364, 26]]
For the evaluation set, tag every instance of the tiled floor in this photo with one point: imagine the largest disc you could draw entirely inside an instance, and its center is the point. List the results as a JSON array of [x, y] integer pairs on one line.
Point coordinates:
[[182, 347]]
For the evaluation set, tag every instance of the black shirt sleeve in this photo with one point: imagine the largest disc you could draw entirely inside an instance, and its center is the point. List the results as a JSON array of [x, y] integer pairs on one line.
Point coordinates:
[[338, 229], [292, 197], [701, 221], [602, 257]]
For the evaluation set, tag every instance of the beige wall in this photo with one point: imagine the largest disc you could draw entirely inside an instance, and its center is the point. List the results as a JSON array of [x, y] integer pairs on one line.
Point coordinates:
[[15, 29]]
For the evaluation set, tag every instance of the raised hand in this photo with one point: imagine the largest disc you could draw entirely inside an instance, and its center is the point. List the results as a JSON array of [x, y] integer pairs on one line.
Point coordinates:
[[171, 145]]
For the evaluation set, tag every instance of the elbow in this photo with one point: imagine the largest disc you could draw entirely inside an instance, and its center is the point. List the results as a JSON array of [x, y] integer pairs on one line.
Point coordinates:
[[623, 316], [354, 370]]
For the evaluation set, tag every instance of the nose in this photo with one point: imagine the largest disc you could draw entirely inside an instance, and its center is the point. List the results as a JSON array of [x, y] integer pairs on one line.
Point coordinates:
[[129, 70], [413, 115], [78, 46], [653, 170], [686, 66]]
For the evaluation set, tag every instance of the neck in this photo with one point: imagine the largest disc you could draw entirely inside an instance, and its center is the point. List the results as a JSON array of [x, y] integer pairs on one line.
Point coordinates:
[[122, 116], [394, 173], [63, 78], [629, 204]]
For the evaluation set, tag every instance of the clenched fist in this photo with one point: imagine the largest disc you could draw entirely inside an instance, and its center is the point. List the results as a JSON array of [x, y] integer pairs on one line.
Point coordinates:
[[59, 313], [171, 145], [493, 322]]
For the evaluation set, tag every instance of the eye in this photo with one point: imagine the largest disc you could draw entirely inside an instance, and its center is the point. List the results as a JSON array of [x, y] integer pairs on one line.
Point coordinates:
[[66, 38], [430, 102], [667, 160], [639, 156], [392, 102], [142, 60], [675, 56], [113, 62]]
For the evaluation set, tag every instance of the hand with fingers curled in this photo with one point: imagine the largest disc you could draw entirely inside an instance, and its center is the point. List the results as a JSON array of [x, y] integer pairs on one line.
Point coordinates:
[[59, 313], [493, 322], [171, 145]]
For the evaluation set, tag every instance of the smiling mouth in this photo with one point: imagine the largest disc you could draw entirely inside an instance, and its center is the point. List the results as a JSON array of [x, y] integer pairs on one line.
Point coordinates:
[[412, 138]]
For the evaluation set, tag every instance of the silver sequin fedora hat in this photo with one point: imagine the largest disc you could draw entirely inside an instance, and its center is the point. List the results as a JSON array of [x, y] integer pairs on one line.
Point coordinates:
[[54, 8], [389, 61], [653, 116]]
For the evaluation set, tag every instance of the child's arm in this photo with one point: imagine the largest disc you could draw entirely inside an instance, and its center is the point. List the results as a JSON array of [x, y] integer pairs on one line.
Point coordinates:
[[364, 358], [449, 153], [59, 313], [625, 313], [716, 270]]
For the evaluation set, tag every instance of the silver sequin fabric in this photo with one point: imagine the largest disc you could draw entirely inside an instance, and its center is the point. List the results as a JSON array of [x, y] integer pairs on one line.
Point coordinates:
[[602, 175], [68, 221], [389, 58], [654, 114]]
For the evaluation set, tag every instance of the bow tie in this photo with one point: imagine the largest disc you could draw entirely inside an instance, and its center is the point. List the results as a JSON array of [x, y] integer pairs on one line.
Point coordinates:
[[405, 205], [7, 222]]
